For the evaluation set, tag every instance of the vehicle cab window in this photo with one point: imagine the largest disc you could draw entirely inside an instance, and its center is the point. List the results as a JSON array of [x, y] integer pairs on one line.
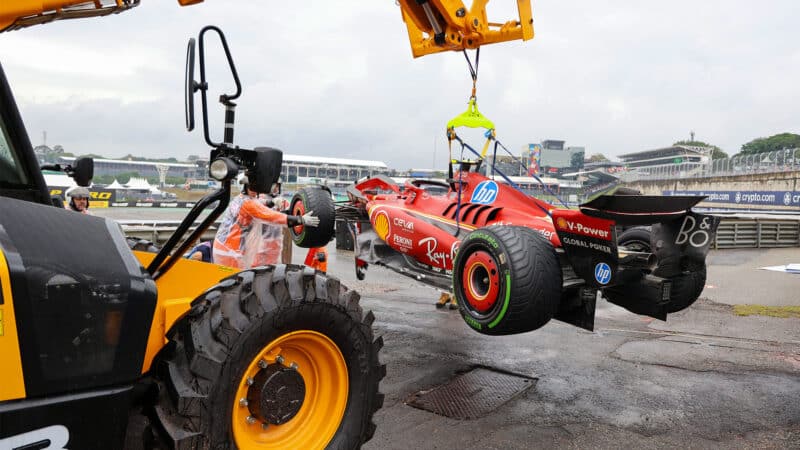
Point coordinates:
[[11, 173]]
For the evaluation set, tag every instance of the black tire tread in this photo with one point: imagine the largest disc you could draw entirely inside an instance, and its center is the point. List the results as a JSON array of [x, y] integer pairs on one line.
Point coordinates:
[[536, 280], [191, 365], [318, 200]]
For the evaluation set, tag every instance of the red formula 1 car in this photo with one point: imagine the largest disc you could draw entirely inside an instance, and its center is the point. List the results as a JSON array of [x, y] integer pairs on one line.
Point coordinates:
[[513, 261]]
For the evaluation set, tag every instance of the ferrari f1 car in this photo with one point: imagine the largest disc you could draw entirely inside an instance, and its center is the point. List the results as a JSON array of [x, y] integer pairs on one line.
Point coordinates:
[[514, 261]]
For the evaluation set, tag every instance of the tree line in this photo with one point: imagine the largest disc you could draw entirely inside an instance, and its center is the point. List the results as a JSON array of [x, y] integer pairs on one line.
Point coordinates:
[[777, 142]]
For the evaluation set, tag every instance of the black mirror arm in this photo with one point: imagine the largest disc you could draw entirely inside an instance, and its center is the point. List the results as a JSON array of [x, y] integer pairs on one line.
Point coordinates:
[[225, 99]]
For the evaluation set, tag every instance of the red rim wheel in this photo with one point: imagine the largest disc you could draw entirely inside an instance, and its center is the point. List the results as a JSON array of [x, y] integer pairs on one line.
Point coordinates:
[[481, 281]]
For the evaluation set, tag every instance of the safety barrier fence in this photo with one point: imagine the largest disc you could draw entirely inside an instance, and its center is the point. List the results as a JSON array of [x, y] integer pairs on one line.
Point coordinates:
[[757, 232], [158, 231], [735, 231], [787, 160]]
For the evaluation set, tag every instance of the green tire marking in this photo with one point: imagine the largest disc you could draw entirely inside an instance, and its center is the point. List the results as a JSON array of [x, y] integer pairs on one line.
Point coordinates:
[[489, 239], [472, 322], [505, 303]]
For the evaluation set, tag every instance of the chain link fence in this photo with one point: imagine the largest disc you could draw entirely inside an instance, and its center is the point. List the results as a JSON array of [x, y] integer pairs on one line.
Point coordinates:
[[786, 160]]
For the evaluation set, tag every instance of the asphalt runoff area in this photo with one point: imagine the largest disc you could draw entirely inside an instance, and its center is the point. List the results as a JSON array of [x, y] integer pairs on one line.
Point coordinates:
[[706, 378]]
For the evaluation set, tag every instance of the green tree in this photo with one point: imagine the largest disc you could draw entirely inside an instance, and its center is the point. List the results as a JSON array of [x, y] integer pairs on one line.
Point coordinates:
[[177, 181], [716, 152], [598, 157], [775, 142], [130, 157], [125, 177], [103, 179]]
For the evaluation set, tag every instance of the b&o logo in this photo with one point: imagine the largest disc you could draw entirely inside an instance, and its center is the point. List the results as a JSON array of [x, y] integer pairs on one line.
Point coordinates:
[[602, 273], [485, 193], [694, 232]]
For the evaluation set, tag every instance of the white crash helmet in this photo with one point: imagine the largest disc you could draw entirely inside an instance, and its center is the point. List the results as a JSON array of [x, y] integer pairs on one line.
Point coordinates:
[[77, 191]]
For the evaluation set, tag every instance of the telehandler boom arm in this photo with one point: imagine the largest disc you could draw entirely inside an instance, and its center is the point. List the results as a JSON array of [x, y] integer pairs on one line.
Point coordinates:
[[433, 25], [15, 14]]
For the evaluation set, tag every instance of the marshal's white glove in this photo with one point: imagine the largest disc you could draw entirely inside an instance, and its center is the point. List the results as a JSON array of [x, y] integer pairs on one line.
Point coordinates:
[[309, 219]]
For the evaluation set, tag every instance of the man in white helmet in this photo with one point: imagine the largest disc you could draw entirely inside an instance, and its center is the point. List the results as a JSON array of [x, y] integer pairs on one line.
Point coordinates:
[[242, 240], [78, 199]]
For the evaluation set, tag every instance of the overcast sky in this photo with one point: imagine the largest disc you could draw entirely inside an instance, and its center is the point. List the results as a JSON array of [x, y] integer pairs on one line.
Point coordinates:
[[337, 79]]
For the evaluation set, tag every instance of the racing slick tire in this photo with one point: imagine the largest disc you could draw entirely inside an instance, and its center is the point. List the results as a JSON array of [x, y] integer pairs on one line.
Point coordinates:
[[318, 200], [506, 279], [686, 287], [275, 357]]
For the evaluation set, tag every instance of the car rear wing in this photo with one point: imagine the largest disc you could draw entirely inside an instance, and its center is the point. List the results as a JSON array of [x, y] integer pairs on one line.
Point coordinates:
[[589, 236], [640, 209]]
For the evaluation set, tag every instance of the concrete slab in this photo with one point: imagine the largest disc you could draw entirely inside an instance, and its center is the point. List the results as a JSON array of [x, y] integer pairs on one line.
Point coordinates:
[[735, 278]]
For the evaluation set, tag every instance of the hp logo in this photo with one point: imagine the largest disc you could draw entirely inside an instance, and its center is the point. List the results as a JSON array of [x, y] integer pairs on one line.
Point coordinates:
[[485, 193], [602, 273]]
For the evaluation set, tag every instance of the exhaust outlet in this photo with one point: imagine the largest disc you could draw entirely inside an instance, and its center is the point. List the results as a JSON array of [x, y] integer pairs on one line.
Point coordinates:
[[637, 260]]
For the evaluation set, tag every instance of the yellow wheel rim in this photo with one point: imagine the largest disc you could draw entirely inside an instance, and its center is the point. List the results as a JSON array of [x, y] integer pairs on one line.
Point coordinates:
[[324, 370]]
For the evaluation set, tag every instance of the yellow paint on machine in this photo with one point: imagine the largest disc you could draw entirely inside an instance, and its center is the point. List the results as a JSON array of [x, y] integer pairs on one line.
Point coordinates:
[[177, 288], [12, 382]]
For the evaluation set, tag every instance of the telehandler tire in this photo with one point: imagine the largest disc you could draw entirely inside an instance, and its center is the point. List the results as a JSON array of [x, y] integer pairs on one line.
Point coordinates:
[[274, 357], [318, 200]]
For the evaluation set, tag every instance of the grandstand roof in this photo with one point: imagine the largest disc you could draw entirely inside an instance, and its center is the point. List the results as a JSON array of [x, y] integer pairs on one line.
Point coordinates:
[[674, 150], [325, 160], [125, 161], [286, 158]]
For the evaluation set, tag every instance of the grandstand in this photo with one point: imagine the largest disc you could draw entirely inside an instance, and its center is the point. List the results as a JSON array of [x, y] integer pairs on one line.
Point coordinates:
[[147, 169], [294, 166], [685, 159], [302, 166]]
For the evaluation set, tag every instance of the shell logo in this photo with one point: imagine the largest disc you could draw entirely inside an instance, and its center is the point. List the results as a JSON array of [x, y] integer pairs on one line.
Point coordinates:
[[561, 222], [382, 225]]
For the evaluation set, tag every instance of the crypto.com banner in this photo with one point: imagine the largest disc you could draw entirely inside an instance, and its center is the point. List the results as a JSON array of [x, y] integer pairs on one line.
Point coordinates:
[[747, 198]]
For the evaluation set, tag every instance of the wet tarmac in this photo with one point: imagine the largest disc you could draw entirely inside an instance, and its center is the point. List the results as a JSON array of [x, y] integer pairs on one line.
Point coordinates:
[[706, 378]]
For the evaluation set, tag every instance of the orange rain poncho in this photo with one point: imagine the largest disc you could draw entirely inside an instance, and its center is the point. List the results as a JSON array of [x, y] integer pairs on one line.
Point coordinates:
[[250, 234]]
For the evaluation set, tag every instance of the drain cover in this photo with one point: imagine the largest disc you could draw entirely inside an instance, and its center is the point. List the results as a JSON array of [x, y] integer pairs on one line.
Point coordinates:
[[472, 394]]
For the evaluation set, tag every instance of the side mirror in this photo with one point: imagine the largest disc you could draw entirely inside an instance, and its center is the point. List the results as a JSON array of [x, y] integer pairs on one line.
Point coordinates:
[[225, 99], [83, 171], [266, 170], [190, 86]]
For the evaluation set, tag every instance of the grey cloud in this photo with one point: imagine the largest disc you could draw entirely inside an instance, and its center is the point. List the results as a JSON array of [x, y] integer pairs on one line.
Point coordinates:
[[337, 78]]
